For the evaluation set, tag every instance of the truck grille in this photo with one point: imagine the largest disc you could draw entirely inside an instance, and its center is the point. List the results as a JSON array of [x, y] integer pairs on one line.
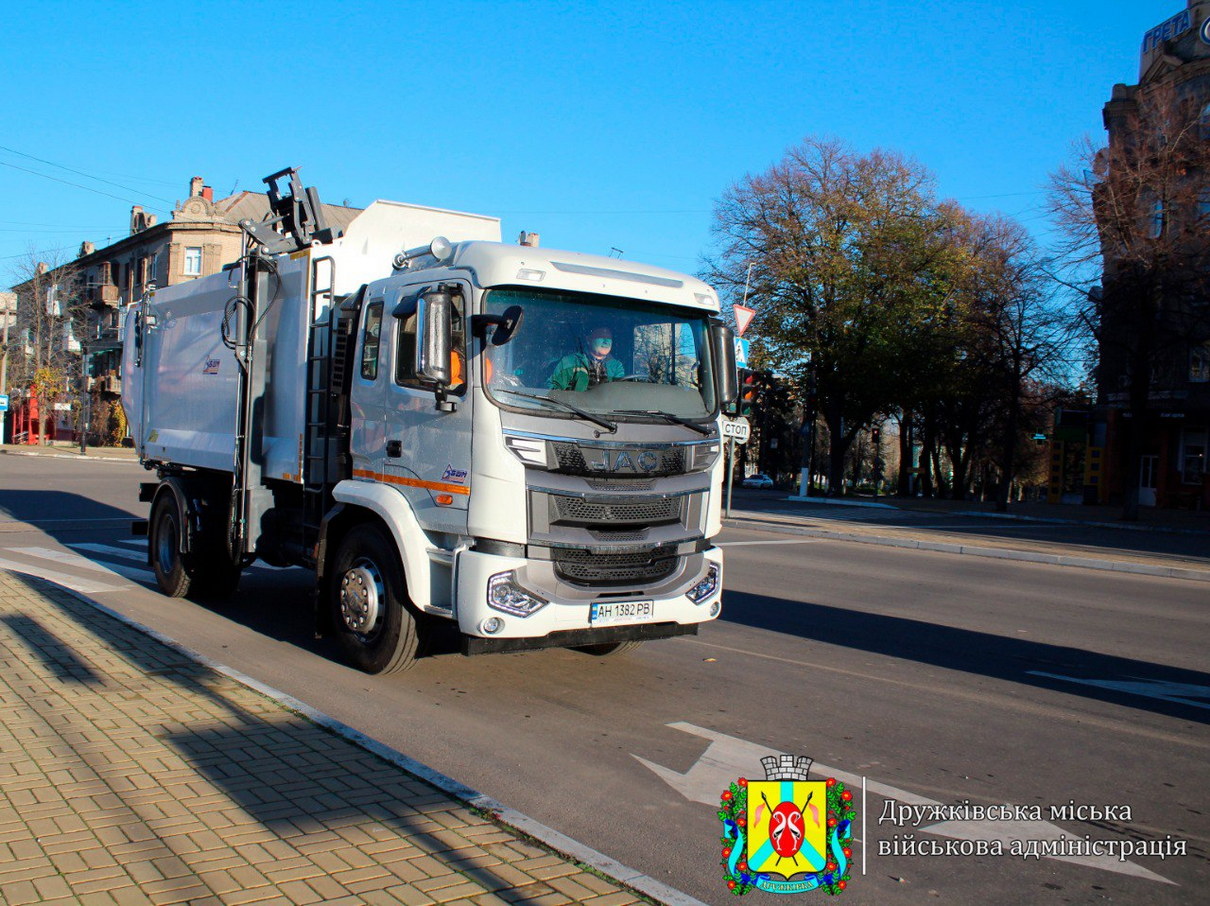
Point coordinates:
[[650, 463], [577, 511], [588, 568]]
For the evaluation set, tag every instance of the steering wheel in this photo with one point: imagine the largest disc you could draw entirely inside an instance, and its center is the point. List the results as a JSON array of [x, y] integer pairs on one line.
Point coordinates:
[[633, 378]]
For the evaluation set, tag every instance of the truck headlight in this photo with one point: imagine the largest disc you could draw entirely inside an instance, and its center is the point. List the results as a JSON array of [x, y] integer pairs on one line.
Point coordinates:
[[504, 594], [707, 587]]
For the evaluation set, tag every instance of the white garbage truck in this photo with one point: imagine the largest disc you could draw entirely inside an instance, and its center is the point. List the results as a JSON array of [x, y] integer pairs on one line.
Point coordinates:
[[443, 427]]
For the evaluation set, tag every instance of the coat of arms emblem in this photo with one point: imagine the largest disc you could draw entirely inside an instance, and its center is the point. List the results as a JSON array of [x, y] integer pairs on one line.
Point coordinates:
[[789, 826]]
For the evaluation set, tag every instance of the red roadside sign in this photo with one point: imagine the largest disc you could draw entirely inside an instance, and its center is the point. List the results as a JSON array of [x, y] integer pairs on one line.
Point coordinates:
[[743, 317]]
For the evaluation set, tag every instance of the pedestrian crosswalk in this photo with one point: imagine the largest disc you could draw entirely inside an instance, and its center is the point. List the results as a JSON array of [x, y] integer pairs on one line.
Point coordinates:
[[89, 567]]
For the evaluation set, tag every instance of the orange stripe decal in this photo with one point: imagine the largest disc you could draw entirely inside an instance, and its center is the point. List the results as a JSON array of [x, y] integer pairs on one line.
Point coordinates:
[[412, 482]]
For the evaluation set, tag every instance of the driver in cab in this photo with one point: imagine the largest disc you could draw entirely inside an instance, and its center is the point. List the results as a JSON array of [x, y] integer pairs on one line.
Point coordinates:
[[582, 370]]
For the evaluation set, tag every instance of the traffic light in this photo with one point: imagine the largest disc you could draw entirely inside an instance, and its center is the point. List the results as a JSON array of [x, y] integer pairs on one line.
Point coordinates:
[[875, 436], [749, 387]]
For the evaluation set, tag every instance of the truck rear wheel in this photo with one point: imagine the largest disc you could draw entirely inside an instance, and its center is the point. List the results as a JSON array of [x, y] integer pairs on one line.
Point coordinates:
[[370, 611], [164, 543]]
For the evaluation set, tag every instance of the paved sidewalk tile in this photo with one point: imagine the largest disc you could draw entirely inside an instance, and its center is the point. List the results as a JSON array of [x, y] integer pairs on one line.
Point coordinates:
[[132, 774]]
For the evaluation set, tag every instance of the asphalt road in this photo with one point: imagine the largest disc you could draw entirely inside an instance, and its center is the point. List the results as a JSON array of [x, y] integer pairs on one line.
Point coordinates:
[[936, 678]]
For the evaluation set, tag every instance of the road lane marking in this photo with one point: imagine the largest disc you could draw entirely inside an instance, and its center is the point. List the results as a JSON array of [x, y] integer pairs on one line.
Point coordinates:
[[69, 559], [15, 519], [75, 583], [727, 757], [111, 551], [1180, 693]]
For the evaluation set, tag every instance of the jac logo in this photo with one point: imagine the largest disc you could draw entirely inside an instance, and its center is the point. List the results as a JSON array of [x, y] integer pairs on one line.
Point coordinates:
[[624, 461]]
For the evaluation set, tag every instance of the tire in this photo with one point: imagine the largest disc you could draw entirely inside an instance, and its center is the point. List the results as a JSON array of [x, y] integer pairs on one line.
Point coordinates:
[[370, 611], [608, 649], [173, 575]]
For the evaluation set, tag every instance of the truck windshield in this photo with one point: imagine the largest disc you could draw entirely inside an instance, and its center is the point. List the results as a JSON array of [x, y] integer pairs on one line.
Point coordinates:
[[628, 359]]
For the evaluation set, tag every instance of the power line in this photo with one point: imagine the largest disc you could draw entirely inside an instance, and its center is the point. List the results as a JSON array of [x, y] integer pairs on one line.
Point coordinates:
[[65, 182], [39, 252], [81, 173], [58, 226]]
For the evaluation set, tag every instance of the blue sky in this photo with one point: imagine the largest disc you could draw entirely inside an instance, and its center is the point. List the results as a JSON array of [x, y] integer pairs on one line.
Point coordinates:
[[599, 125]]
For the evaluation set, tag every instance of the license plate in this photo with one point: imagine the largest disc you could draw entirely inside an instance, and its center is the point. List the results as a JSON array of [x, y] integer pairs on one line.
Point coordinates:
[[606, 613]]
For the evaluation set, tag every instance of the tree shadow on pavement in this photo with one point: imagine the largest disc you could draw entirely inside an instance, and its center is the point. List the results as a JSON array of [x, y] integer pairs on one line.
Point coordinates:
[[285, 793]]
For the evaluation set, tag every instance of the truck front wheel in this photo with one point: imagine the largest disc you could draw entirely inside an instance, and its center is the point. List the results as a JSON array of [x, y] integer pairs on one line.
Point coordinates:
[[164, 543], [368, 596]]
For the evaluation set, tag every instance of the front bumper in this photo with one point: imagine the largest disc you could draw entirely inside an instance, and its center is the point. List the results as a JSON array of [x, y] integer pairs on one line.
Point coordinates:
[[564, 621]]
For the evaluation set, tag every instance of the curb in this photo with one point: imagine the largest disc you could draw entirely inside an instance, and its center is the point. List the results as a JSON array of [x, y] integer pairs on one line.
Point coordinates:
[[993, 553], [97, 457], [980, 514], [510, 818], [1121, 526], [845, 501]]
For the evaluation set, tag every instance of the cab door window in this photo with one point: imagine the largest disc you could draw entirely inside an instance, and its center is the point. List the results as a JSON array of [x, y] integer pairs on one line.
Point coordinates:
[[405, 344], [371, 342]]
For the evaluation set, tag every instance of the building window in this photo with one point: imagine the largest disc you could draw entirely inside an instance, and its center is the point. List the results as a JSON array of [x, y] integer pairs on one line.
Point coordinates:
[[153, 268], [1193, 455], [1199, 364], [193, 261]]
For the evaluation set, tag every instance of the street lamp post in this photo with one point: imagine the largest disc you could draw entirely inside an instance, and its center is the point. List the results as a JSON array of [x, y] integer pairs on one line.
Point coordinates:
[[6, 299]]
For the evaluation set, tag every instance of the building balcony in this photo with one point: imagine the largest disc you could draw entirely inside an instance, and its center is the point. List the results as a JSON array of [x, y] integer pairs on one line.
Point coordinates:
[[106, 294]]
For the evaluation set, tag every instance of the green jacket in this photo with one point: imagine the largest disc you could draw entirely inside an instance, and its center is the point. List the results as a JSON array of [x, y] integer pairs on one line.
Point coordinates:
[[572, 372]]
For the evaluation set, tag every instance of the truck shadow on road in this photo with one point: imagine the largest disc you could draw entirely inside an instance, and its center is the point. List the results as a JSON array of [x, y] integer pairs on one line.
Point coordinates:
[[62, 513], [1171, 691]]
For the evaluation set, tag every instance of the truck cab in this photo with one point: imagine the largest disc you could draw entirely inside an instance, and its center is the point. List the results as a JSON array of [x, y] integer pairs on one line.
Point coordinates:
[[539, 431]]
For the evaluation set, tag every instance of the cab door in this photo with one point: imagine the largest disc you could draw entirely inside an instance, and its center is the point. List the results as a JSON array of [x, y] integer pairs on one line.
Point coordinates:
[[367, 397], [427, 442]]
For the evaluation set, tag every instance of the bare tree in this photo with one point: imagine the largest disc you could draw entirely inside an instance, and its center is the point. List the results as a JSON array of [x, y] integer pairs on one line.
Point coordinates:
[[42, 355], [1134, 215], [1019, 331]]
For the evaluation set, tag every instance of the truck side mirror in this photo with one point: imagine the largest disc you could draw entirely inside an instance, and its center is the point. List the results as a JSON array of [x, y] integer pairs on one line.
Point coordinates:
[[726, 381], [434, 318], [507, 324]]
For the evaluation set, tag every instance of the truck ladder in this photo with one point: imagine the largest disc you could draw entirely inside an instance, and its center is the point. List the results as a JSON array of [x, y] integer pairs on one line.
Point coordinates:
[[324, 415]]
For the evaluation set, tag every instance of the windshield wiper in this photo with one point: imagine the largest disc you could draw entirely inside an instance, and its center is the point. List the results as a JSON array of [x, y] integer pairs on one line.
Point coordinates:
[[667, 416], [571, 407]]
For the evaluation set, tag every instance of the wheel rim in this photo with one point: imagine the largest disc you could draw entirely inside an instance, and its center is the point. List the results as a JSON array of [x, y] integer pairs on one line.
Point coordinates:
[[362, 592], [166, 543]]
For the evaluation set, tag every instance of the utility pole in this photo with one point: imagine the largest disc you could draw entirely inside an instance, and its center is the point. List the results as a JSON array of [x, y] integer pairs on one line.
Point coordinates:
[[84, 401]]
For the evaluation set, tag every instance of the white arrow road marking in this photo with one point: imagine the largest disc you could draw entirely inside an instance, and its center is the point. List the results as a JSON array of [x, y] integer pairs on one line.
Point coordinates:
[[1181, 693], [727, 758]]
